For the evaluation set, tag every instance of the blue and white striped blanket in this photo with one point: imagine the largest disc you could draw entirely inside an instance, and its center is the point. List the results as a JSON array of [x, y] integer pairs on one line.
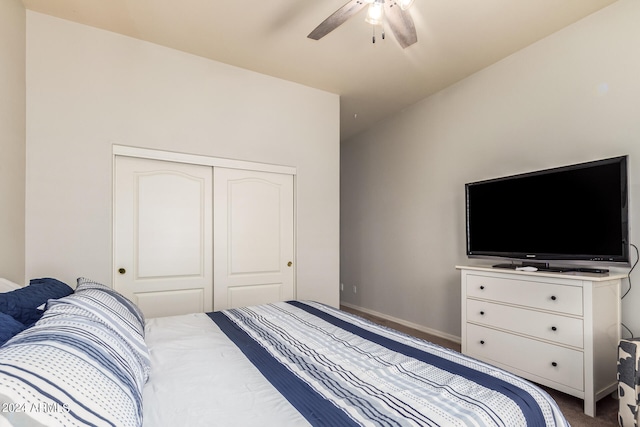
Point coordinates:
[[86, 361], [340, 370]]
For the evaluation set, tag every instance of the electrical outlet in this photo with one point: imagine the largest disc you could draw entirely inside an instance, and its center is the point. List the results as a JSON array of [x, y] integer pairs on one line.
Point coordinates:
[[355, 289], [341, 287]]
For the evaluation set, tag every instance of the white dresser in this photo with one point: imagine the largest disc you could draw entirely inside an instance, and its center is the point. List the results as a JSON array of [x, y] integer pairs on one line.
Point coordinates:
[[556, 329]]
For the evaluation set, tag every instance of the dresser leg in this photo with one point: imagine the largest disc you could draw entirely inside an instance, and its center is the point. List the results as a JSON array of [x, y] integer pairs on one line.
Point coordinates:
[[590, 406]]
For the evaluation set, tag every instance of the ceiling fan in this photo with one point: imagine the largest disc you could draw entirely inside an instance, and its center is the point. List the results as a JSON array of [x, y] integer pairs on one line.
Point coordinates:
[[393, 12]]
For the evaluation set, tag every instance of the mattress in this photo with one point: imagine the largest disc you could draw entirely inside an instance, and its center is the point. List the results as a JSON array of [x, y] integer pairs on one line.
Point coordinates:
[[307, 364]]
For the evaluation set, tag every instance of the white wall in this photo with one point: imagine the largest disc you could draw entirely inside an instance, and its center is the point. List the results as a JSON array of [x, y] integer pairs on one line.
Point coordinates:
[[12, 139], [572, 97], [89, 88]]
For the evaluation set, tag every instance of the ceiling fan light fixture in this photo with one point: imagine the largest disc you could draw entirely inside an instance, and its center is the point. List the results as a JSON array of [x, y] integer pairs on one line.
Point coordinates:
[[382, 13], [405, 4], [375, 13]]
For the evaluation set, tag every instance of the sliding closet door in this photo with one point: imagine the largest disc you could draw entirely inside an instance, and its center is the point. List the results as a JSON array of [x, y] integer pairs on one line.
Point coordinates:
[[253, 238], [163, 235]]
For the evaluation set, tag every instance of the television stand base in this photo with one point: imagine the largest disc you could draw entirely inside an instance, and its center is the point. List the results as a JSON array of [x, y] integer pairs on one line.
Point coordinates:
[[553, 269], [542, 266], [592, 270], [509, 266]]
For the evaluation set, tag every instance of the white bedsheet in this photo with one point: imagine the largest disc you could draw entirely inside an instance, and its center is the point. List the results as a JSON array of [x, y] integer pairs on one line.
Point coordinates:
[[200, 378]]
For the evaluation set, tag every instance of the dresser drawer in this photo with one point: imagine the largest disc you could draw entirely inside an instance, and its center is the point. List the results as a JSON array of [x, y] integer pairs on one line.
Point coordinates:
[[541, 295], [547, 326], [558, 364]]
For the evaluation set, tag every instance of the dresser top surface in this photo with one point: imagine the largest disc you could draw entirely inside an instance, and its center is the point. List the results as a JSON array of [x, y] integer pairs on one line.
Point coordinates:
[[593, 277]]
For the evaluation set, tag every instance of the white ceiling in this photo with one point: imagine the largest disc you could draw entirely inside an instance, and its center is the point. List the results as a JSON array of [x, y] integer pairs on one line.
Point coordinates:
[[455, 39]]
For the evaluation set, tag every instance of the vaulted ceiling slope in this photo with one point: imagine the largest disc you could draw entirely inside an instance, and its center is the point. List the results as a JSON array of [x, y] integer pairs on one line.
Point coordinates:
[[456, 38]]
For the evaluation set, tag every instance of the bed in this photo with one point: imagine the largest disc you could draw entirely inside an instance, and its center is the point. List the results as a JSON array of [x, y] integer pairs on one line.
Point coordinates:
[[92, 359]]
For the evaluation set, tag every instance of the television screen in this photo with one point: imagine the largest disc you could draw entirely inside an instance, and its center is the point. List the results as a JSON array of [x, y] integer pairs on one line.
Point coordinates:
[[576, 212]]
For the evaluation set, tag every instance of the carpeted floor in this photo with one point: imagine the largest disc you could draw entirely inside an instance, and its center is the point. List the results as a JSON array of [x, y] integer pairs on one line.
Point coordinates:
[[572, 407]]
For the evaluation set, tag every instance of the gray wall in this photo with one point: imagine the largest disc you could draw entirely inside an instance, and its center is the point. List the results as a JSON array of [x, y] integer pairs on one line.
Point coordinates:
[[12, 140], [572, 97], [89, 89]]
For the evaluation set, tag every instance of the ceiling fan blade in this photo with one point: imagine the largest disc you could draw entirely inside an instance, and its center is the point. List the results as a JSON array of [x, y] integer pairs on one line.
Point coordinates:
[[336, 19], [401, 25]]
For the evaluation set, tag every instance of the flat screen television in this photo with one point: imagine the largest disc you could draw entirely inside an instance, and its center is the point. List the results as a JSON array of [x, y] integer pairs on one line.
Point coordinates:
[[577, 213]]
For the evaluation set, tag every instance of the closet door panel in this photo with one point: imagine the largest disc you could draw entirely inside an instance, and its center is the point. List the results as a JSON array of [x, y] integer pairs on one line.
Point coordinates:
[[163, 235], [254, 238], [170, 225], [254, 229]]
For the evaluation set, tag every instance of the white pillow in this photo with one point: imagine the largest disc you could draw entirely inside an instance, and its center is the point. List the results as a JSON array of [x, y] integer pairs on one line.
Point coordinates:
[[8, 285]]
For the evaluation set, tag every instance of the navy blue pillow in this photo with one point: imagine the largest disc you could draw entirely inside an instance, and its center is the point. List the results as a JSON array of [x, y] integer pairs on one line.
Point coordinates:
[[9, 327], [22, 304]]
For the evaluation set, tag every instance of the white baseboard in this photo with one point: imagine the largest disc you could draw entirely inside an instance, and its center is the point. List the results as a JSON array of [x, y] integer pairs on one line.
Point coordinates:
[[421, 328]]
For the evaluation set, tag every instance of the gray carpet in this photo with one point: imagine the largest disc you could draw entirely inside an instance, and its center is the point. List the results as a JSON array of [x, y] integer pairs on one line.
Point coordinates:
[[571, 407]]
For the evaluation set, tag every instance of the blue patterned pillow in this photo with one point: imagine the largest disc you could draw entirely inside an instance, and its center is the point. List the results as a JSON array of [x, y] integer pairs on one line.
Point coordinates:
[[85, 361], [8, 328], [121, 316], [84, 283], [22, 304], [74, 366]]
